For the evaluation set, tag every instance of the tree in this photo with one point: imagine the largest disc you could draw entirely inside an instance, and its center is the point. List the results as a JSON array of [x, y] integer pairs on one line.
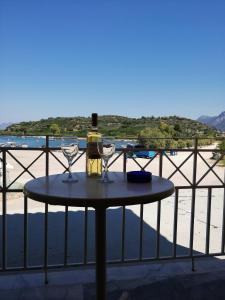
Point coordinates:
[[152, 138], [177, 127], [54, 128], [221, 146]]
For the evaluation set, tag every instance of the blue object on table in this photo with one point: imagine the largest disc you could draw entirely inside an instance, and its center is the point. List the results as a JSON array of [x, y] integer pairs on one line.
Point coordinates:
[[139, 176]]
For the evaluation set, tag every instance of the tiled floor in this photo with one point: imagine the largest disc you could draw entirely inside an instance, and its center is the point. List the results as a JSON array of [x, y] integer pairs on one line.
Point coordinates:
[[167, 280]]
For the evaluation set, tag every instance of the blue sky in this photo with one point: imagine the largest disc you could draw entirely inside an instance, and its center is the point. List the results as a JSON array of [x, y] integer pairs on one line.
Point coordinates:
[[126, 57]]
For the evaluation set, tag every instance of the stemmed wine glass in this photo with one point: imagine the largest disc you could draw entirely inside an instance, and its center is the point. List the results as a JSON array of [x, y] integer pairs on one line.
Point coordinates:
[[106, 149], [69, 147]]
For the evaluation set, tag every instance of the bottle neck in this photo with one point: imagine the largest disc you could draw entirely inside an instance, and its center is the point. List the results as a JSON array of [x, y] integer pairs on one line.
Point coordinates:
[[94, 128]]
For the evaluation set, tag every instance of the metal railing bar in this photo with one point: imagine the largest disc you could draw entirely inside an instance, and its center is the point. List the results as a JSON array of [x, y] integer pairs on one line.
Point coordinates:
[[181, 165], [193, 197], [66, 236], [58, 159], [47, 156], [123, 234], [117, 149], [209, 200], [115, 159], [25, 168], [137, 163], [79, 156], [160, 163], [4, 211], [46, 242], [25, 235], [210, 169], [223, 226], [200, 186], [192, 223], [178, 168], [124, 162], [66, 168], [175, 222], [85, 234], [159, 209], [151, 159], [141, 232], [110, 262], [158, 228]]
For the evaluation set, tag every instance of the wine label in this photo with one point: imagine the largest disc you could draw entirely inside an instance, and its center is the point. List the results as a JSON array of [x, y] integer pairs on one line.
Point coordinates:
[[92, 151]]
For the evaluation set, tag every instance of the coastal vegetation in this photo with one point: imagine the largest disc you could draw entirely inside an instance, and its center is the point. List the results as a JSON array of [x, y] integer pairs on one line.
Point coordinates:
[[221, 147], [151, 131]]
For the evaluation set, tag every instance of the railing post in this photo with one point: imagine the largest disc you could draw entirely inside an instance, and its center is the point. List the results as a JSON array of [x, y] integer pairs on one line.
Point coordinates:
[[223, 226], [123, 234], [124, 162], [47, 155], [193, 200], [160, 163], [4, 208], [66, 236], [175, 223], [46, 215], [208, 220], [141, 232], [85, 235], [159, 208], [25, 223]]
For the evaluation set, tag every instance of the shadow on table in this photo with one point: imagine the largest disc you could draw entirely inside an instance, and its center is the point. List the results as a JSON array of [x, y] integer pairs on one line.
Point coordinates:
[[56, 233]]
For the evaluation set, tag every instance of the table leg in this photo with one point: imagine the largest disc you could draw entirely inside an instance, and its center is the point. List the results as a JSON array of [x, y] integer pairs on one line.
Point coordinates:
[[100, 244]]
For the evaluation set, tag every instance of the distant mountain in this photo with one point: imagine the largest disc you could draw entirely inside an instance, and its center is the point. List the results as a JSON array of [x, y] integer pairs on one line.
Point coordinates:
[[5, 125], [218, 121]]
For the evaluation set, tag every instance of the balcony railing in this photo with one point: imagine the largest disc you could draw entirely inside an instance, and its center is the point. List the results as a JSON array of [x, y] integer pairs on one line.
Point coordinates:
[[144, 233]]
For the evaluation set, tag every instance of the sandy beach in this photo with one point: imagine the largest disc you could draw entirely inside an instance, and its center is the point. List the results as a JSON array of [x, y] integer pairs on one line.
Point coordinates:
[[15, 208]]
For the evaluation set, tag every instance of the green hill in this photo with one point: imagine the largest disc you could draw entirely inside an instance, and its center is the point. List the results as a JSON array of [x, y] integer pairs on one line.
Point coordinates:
[[111, 125], [118, 126]]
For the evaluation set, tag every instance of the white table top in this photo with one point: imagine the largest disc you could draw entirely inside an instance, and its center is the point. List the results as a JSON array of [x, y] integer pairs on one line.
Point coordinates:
[[89, 191]]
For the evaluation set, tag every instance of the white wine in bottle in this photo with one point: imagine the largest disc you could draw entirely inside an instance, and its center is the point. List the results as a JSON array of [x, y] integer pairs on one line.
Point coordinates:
[[93, 159]]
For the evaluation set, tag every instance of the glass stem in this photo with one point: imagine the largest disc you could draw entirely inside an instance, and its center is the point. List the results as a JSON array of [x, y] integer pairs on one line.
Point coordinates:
[[106, 169], [70, 164]]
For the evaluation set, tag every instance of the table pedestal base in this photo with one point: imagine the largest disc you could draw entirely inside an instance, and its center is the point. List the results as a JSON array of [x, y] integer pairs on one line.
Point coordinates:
[[100, 244]]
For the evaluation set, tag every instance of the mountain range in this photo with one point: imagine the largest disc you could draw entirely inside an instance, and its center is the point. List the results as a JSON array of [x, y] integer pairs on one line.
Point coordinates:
[[217, 122], [4, 125]]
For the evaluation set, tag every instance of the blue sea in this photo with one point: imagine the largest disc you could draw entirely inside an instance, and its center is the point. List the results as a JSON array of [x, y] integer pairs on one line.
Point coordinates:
[[39, 141]]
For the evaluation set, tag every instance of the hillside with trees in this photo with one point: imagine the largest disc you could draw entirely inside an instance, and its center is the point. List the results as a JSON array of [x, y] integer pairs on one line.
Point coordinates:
[[173, 128]]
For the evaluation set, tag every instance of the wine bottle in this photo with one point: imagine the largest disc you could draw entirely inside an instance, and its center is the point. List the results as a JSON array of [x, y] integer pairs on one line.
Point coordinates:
[[93, 159]]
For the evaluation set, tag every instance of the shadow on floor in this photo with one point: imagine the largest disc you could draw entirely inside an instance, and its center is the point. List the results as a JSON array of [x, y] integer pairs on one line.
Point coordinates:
[[56, 233]]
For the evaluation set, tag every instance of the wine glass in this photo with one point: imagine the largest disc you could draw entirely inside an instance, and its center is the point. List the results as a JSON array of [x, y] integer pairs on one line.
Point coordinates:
[[69, 147], [106, 149]]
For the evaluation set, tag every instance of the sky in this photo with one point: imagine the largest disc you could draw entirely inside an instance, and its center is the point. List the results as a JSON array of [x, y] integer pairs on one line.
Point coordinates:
[[125, 57]]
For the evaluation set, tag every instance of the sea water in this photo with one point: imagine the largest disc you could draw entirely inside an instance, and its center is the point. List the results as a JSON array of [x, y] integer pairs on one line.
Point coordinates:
[[40, 141]]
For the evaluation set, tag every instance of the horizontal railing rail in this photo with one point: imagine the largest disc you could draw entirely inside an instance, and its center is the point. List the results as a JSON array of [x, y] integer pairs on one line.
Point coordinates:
[[160, 160]]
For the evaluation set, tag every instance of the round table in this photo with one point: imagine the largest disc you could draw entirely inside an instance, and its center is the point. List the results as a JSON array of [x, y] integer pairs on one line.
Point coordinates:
[[90, 192]]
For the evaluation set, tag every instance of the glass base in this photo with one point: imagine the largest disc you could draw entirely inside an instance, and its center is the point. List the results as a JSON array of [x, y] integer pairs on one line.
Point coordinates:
[[105, 179], [69, 179]]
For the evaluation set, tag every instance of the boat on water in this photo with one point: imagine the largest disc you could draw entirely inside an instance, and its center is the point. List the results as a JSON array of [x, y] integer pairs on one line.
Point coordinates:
[[23, 146], [13, 145]]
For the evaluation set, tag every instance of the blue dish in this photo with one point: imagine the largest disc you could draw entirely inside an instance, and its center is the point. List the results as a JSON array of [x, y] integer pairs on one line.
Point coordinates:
[[139, 176]]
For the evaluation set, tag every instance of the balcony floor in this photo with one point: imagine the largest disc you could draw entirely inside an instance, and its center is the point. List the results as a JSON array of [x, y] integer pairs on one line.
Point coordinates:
[[167, 280]]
